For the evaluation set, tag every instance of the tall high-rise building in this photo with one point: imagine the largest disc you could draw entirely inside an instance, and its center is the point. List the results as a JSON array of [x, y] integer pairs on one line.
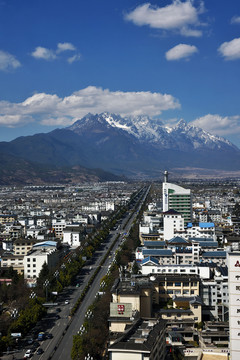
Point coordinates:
[[234, 304], [177, 198]]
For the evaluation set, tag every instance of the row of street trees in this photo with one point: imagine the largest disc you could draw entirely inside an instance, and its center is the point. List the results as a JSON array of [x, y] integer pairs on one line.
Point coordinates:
[[17, 296], [91, 341]]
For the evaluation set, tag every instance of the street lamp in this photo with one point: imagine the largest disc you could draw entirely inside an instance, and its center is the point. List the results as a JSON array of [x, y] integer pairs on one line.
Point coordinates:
[[88, 357], [32, 295], [45, 284]]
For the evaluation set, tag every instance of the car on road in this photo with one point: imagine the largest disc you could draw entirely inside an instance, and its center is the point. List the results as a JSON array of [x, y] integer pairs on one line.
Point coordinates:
[[58, 310], [66, 302], [39, 351], [49, 336], [28, 354], [41, 336]]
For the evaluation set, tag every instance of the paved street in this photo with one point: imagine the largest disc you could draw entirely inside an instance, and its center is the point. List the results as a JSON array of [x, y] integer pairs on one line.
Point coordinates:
[[64, 327]]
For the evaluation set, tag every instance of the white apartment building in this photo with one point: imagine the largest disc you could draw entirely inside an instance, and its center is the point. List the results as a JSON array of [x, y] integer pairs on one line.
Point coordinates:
[[73, 235], [172, 222], [34, 230], [214, 293], [34, 261], [201, 229]]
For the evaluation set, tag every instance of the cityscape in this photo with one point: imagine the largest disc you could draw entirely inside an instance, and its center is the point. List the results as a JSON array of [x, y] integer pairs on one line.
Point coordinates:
[[120, 270], [119, 180]]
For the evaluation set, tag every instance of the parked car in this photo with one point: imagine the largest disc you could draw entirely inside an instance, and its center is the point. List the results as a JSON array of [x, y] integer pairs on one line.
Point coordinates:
[[58, 309], [28, 354], [49, 336], [66, 302], [41, 336], [39, 351]]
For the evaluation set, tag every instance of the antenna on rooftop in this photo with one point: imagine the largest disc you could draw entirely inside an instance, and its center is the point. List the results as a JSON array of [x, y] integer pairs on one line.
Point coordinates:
[[165, 176]]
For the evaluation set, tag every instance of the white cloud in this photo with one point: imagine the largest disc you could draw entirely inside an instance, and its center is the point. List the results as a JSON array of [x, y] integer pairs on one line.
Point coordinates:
[[181, 51], [230, 50], [216, 124], [8, 61], [52, 110], [235, 20], [74, 58], [65, 47], [49, 54], [176, 16], [43, 53], [15, 120]]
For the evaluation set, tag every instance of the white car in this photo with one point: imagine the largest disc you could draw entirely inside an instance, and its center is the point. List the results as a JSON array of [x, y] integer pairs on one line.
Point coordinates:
[[66, 302], [28, 354]]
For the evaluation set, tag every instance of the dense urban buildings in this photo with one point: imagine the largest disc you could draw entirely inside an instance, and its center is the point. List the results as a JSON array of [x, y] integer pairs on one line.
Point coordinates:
[[182, 295]]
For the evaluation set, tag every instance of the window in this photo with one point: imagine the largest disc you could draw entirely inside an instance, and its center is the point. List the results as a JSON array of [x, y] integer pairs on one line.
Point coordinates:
[[28, 259], [34, 259], [177, 284], [169, 283], [28, 265]]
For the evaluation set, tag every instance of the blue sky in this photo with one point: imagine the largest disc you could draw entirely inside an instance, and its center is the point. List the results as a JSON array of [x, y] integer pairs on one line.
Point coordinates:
[[169, 59]]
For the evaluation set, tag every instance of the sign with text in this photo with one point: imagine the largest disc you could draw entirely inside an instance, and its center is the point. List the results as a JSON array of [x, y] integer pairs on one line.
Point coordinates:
[[120, 310], [234, 304]]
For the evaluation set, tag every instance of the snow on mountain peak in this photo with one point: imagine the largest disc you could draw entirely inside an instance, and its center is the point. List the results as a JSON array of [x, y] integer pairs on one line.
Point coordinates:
[[153, 131]]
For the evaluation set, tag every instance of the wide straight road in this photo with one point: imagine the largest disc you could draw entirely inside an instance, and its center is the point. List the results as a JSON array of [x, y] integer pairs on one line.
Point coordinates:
[[63, 351], [64, 328]]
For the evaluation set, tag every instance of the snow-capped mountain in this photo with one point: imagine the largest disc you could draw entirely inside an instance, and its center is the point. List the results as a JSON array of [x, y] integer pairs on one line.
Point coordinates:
[[147, 130], [132, 146]]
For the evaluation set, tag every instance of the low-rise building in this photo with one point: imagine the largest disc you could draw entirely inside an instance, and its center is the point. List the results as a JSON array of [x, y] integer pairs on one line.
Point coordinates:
[[33, 261], [145, 339]]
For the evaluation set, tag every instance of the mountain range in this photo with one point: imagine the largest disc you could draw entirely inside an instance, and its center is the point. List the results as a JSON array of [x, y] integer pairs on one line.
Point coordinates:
[[136, 147]]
